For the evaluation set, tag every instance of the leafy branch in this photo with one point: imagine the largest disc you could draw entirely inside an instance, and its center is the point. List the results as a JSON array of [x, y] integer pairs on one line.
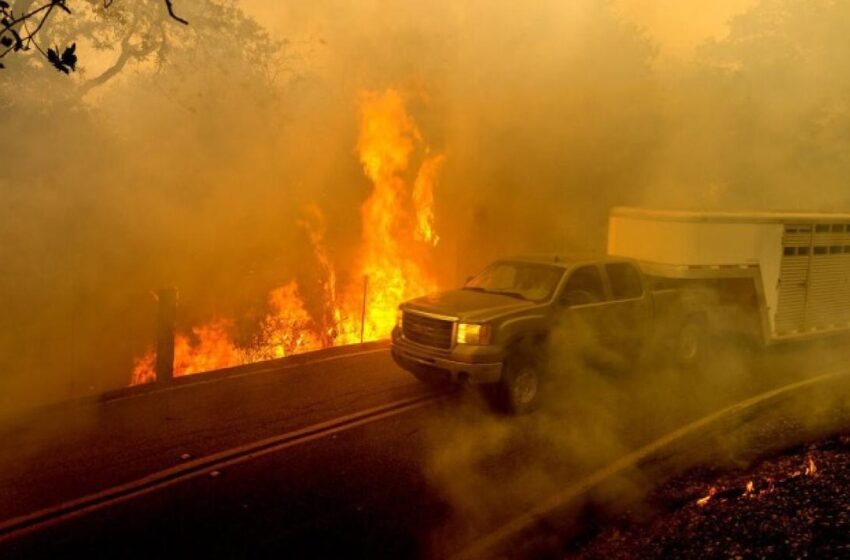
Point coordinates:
[[16, 35]]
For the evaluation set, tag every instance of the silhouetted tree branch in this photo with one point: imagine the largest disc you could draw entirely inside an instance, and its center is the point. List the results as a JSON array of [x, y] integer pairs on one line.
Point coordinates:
[[128, 52], [172, 14], [16, 35]]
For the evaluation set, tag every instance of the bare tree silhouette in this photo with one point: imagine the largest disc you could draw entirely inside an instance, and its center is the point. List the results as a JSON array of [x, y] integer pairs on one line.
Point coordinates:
[[18, 30]]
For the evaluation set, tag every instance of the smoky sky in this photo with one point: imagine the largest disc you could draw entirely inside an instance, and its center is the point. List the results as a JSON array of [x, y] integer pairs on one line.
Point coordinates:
[[193, 166]]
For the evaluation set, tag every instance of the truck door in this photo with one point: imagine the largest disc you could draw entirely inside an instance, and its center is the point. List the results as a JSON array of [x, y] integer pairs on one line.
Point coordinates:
[[628, 317], [583, 302]]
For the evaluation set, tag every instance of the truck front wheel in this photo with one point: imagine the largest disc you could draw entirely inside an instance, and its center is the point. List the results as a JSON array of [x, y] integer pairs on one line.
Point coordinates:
[[519, 389]]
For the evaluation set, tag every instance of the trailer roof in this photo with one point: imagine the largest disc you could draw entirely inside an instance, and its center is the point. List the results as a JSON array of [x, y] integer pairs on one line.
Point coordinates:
[[729, 217], [565, 261]]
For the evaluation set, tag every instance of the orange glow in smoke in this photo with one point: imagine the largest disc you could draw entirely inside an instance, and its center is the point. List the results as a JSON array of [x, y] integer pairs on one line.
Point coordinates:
[[397, 234]]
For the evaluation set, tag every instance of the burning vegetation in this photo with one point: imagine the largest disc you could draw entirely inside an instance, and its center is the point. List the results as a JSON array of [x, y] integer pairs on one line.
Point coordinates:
[[397, 234], [753, 488], [789, 505]]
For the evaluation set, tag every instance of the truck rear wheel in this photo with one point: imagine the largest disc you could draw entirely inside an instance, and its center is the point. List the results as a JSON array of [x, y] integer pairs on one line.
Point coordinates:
[[689, 345]]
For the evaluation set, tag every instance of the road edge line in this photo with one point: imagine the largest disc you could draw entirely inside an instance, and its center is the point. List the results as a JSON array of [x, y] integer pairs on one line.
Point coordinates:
[[516, 525]]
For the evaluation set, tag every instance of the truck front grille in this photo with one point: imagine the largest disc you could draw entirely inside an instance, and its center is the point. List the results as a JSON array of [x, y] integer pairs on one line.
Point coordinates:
[[427, 330]]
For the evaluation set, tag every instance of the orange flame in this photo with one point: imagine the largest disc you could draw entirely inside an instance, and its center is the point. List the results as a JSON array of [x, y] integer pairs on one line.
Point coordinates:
[[707, 498], [397, 231], [288, 329], [423, 198], [143, 370], [811, 468], [389, 258], [210, 348]]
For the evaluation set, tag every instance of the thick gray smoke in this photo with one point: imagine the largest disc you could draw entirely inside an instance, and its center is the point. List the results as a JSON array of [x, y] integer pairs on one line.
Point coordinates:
[[759, 119], [192, 166]]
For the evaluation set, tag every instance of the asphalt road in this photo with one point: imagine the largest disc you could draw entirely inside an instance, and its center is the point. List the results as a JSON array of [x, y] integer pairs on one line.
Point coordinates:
[[324, 496], [423, 482], [64, 452]]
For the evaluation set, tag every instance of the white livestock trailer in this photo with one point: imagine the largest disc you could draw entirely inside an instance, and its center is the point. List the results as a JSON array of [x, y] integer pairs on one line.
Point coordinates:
[[786, 274]]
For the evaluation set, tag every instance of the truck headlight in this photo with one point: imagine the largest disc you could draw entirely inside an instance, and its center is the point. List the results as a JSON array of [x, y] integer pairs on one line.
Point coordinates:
[[399, 318], [473, 333]]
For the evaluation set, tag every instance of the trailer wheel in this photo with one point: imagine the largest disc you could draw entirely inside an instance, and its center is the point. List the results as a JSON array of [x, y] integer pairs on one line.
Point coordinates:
[[520, 387], [689, 345]]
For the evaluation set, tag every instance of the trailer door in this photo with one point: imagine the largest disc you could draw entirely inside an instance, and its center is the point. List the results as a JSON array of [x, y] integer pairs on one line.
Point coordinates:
[[793, 278], [827, 303], [814, 280]]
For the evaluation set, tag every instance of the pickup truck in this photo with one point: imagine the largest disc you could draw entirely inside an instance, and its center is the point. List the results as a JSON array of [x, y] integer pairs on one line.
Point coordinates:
[[495, 329]]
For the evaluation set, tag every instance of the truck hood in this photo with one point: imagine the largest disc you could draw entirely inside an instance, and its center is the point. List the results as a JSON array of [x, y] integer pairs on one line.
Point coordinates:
[[467, 305]]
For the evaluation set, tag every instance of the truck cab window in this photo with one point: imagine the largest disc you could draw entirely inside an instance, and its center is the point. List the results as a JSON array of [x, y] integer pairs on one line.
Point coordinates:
[[625, 281], [531, 281], [583, 286]]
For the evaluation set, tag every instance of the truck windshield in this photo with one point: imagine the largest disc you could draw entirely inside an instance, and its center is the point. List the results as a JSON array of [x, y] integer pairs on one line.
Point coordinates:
[[529, 281]]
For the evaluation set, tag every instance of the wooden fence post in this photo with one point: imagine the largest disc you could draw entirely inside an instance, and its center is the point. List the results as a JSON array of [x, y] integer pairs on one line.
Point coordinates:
[[166, 324]]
